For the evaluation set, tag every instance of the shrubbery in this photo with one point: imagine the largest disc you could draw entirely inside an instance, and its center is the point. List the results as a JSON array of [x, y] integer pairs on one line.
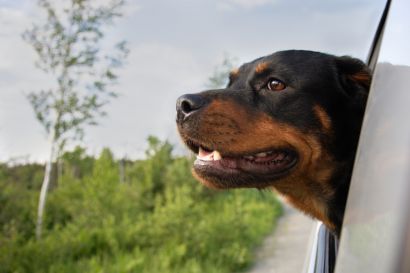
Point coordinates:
[[159, 220]]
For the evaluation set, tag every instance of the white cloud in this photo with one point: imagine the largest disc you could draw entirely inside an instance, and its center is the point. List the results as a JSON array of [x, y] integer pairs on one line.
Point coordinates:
[[13, 22], [155, 76], [20, 134], [247, 4], [131, 8]]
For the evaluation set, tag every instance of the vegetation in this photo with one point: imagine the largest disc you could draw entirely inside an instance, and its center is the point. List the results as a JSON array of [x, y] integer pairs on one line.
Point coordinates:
[[220, 76], [108, 215], [68, 46], [159, 220]]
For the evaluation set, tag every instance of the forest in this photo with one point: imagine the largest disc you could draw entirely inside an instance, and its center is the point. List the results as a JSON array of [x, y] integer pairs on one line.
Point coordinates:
[[114, 215]]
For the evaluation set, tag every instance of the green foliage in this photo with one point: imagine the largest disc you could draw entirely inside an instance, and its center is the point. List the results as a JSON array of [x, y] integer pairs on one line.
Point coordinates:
[[76, 163], [28, 175], [161, 220]]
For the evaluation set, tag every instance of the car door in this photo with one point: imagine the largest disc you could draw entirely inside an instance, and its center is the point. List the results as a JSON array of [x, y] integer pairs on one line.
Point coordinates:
[[376, 233]]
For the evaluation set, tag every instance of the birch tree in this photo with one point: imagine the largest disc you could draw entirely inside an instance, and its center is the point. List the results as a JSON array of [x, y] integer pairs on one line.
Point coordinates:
[[69, 48]]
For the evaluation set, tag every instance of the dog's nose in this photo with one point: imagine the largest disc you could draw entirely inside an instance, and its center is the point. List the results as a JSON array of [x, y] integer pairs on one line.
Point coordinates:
[[189, 103]]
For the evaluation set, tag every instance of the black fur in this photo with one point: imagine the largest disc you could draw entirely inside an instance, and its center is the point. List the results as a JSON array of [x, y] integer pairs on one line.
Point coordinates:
[[338, 85]]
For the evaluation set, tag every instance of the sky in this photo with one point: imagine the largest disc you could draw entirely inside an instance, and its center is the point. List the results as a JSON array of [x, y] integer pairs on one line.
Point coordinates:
[[175, 47]]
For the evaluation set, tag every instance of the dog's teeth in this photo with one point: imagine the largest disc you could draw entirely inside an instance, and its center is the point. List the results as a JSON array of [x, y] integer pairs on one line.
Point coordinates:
[[204, 155], [202, 152], [250, 157], [261, 154], [208, 156], [217, 155]]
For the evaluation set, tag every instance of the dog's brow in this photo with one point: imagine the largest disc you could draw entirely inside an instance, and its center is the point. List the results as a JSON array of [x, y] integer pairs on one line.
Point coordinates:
[[260, 67], [323, 117], [234, 72]]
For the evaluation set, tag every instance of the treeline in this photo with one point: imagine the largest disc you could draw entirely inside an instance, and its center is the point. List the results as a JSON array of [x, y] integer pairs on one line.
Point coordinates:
[[107, 215]]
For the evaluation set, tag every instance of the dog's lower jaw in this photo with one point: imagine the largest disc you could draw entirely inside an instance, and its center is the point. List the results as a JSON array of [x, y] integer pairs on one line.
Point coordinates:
[[319, 190]]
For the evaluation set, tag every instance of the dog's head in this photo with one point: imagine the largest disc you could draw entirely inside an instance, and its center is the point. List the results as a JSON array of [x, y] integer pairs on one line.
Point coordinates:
[[289, 120]]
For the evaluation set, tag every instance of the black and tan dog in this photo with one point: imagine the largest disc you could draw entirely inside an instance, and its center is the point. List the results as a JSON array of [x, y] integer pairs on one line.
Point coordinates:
[[288, 121]]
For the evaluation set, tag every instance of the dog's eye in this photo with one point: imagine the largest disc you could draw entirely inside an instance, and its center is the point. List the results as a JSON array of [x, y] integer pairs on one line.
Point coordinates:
[[275, 85]]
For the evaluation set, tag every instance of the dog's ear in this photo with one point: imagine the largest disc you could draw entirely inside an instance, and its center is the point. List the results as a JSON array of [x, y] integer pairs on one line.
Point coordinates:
[[353, 73]]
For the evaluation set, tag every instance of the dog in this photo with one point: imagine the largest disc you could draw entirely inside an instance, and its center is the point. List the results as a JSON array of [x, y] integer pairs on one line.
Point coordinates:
[[288, 121]]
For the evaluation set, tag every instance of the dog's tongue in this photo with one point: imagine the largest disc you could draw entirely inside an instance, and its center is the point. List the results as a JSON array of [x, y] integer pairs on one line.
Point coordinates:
[[208, 155]]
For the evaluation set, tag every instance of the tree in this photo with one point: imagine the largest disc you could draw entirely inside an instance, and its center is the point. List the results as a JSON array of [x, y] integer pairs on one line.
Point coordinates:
[[76, 163], [221, 72], [68, 45]]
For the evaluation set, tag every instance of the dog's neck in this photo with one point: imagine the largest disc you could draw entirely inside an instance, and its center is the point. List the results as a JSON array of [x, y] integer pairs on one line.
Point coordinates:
[[336, 206], [323, 200]]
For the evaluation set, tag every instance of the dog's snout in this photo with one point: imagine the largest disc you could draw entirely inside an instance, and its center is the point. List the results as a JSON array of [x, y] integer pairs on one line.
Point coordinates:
[[189, 103]]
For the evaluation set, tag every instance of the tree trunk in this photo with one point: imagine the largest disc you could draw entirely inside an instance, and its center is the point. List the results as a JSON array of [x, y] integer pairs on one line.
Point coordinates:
[[44, 186]]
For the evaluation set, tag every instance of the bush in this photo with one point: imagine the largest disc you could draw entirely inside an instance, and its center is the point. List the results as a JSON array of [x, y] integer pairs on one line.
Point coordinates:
[[160, 221]]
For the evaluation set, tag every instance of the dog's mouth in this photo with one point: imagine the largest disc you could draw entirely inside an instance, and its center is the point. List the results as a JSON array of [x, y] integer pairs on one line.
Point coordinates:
[[242, 170]]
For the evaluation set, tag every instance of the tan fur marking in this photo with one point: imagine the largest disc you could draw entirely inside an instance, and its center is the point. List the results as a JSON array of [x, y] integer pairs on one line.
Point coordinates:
[[233, 129], [261, 67], [313, 208], [234, 72], [362, 77], [324, 118]]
